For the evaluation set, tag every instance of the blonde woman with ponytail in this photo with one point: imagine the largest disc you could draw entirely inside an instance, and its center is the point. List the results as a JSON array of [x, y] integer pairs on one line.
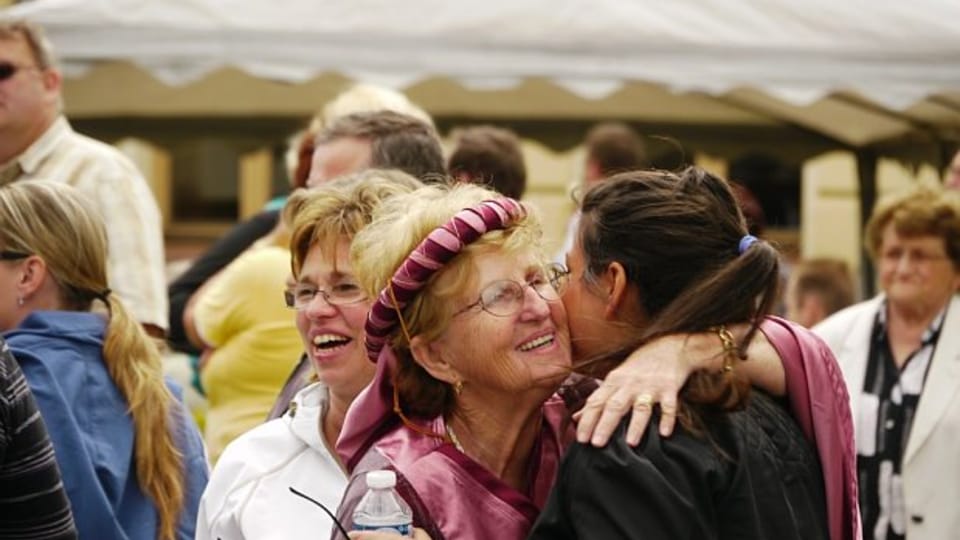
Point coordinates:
[[132, 461]]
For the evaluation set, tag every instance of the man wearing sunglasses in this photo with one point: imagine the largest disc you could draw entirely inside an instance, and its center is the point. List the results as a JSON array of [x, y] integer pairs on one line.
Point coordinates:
[[36, 141]]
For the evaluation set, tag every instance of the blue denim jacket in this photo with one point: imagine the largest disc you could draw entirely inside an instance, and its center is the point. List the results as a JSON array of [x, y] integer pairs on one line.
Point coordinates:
[[60, 354]]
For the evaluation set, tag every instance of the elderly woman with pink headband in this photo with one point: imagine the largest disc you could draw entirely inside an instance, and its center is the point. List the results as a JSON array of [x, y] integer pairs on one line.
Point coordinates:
[[461, 407]]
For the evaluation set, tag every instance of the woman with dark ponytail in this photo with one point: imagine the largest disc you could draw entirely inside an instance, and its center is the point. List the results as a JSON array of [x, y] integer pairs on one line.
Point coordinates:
[[132, 461], [662, 254]]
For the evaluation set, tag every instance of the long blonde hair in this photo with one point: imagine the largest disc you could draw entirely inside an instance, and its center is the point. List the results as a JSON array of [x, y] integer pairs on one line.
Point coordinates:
[[54, 222]]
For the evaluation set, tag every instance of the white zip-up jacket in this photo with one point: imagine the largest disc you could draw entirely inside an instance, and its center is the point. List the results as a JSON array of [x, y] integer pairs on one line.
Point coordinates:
[[248, 496]]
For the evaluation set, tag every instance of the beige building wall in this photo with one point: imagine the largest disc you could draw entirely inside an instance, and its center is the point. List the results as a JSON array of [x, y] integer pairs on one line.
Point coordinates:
[[830, 220], [713, 164], [551, 178], [156, 166], [256, 169], [554, 177]]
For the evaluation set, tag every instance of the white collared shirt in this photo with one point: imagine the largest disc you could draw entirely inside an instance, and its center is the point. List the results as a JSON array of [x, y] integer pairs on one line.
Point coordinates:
[[136, 263]]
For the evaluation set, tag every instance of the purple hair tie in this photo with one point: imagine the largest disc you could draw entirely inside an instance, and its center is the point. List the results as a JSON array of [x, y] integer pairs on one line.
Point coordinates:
[[436, 250], [747, 241]]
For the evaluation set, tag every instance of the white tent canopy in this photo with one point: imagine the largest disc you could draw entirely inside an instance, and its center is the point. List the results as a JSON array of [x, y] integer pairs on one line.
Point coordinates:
[[858, 72]]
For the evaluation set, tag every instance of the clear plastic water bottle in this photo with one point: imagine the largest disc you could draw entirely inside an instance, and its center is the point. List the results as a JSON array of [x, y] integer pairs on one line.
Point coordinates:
[[381, 508]]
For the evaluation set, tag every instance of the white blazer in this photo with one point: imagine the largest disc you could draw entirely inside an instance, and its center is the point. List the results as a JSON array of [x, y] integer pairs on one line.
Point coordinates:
[[931, 464]]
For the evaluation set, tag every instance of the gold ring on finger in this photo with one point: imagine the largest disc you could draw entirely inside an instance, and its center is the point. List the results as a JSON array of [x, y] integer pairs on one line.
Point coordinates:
[[643, 401]]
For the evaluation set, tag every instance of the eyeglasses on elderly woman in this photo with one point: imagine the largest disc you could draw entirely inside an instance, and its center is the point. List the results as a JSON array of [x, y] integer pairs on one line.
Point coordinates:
[[917, 256], [504, 297]]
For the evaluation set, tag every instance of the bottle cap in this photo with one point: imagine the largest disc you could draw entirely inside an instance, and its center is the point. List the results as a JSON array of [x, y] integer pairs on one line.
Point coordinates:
[[381, 479]]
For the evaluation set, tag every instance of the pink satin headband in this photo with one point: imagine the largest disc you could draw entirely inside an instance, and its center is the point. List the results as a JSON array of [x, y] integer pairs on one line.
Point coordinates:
[[436, 250]]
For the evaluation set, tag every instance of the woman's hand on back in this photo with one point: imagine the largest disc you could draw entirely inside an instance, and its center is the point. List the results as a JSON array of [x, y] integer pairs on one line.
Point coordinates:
[[656, 372], [652, 374]]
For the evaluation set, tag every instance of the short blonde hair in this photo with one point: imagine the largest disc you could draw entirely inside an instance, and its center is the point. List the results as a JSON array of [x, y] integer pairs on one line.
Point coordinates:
[[339, 209], [399, 225], [39, 45], [364, 97], [921, 212]]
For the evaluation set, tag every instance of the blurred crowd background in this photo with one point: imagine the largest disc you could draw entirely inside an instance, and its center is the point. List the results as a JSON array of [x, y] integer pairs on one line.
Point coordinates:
[[815, 118]]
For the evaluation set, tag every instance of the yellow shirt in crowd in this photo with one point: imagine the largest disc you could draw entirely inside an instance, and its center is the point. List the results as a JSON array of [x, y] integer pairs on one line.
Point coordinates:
[[254, 341]]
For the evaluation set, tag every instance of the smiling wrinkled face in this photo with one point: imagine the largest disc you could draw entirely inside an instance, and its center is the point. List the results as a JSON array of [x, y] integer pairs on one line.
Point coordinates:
[[526, 350], [915, 271], [333, 334]]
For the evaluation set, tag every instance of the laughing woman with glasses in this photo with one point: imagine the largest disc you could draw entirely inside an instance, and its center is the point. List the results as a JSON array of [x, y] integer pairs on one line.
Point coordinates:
[[250, 491], [131, 459]]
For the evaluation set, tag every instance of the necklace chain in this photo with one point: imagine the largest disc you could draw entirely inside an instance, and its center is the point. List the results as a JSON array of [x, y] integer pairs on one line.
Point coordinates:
[[454, 439]]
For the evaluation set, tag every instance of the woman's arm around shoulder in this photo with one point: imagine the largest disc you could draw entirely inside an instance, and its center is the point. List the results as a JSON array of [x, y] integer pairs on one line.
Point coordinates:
[[655, 373]]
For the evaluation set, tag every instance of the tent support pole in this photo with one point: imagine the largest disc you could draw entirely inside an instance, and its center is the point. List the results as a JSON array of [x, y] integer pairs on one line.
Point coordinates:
[[867, 177]]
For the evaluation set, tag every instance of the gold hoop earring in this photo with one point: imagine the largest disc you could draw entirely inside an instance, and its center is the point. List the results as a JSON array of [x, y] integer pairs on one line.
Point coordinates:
[[458, 387]]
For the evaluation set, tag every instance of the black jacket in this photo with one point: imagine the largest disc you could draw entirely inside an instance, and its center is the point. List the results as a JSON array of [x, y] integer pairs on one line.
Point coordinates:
[[754, 477]]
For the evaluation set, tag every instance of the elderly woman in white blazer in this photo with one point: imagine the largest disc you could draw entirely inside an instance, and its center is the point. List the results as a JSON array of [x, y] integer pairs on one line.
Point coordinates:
[[900, 356]]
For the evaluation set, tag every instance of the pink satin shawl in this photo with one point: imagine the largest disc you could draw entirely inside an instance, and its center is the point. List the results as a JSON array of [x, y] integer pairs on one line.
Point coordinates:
[[821, 406], [459, 497]]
